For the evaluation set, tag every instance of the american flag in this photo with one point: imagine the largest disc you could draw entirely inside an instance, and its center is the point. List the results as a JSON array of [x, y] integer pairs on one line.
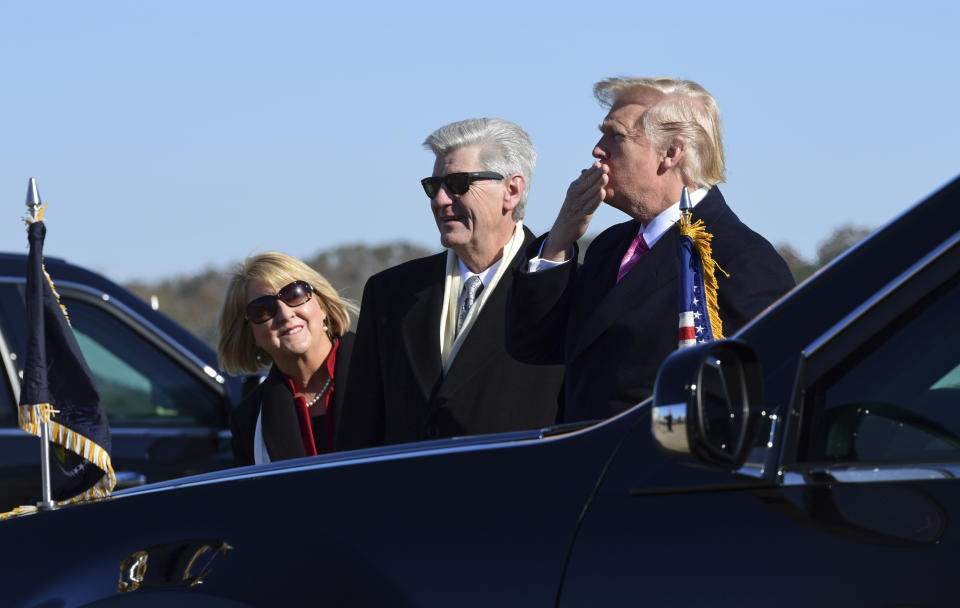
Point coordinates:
[[695, 324], [699, 315]]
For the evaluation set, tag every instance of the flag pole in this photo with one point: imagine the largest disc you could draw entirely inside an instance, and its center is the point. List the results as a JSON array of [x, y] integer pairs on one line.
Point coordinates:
[[33, 208], [686, 208], [47, 503]]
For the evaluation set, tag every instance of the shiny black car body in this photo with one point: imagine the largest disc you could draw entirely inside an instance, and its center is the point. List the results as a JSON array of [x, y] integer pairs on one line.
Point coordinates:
[[167, 404], [810, 460]]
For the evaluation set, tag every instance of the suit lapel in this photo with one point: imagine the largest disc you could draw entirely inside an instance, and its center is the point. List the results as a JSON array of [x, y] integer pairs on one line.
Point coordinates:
[[601, 301], [655, 268], [481, 343], [420, 326], [485, 339], [596, 279], [341, 372], [279, 424]]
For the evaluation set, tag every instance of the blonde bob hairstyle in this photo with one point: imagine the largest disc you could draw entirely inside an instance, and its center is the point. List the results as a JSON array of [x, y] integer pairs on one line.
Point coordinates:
[[236, 350], [686, 112]]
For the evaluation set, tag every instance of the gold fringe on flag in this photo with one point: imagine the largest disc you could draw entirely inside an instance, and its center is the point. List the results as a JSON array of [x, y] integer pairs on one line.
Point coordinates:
[[53, 288], [701, 240], [32, 416]]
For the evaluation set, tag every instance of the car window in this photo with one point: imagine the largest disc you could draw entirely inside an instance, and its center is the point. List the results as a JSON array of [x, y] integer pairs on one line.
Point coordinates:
[[8, 413], [12, 326], [138, 384], [897, 397]]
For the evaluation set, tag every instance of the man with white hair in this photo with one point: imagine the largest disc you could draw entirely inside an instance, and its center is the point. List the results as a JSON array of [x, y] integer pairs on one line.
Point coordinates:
[[613, 320], [429, 359]]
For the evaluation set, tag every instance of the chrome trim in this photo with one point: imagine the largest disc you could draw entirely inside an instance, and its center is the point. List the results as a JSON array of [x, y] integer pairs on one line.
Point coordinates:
[[880, 295], [10, 369], [751, 469], [167, 338], [33, 201], [872, 474], [669, 425], [774, 423], [214, 379], [761, 456], [356, 457], [130, 479]]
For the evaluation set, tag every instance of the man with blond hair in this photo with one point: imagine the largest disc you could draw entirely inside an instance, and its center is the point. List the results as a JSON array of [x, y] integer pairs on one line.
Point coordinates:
[[430, 359], [613, 320]]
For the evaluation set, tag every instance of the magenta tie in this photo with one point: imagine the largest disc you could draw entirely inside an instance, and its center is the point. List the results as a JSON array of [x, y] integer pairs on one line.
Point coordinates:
[[638, 247]]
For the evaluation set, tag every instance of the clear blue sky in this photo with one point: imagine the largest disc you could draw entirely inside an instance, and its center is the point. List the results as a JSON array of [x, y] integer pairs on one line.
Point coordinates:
[[170, 136]]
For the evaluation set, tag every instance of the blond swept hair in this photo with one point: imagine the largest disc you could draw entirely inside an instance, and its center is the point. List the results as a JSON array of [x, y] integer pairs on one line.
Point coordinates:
[[686, 112], [236, 350]]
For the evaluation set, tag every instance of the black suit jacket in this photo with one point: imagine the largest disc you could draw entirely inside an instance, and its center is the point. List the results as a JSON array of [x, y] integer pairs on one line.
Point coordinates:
[[274, 391], [613, 337], [397, 391]]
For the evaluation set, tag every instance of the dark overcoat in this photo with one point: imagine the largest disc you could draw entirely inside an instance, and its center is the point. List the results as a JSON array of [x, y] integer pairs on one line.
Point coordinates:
[[614, 336], [398, 392]]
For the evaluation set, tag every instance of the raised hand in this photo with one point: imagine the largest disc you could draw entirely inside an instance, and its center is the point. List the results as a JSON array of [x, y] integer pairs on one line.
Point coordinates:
[[583, 197]]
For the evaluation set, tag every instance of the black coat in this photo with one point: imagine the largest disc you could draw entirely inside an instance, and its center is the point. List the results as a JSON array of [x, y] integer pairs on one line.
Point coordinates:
[[613, 337], [274, 391], [398, 392]]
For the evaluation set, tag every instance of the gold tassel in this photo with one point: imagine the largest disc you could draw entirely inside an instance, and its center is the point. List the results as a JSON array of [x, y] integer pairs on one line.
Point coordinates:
[[53, 288], [31, 417], [30, 220], [701, 240]]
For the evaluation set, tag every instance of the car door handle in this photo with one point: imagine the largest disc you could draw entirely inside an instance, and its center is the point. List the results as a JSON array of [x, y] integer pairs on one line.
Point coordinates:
[[130, 479]]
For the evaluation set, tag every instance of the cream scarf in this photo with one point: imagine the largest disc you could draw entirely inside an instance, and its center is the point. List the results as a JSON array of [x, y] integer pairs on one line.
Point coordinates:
[[450, 342]]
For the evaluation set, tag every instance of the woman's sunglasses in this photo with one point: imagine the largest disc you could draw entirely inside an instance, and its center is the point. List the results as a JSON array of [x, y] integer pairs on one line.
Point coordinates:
[[262, 309], [457, 183]]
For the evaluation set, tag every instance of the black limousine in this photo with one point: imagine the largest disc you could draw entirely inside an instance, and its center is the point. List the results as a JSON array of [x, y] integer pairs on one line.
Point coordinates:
[[811, 459]]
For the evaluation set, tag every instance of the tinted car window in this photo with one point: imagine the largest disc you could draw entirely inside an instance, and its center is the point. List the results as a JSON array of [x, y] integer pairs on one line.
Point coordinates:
[[897, 398], [13, 327], [8, 412], [138, 385]]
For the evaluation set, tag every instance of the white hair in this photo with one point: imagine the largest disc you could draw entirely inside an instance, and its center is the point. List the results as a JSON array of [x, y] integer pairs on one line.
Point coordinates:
[[504, 148]]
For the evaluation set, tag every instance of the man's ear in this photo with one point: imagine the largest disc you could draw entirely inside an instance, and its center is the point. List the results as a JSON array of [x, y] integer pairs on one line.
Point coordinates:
[[513, 192], [672, 155]]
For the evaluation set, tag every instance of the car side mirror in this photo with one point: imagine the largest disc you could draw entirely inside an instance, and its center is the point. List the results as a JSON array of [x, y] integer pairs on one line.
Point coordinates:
[[702, 401]]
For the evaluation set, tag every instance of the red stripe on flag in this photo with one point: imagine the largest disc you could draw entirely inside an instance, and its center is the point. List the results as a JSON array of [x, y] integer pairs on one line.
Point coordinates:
[[688, 333]]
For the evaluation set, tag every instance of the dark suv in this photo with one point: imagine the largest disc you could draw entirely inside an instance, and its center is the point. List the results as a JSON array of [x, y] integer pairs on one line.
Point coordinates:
[[166, 401]]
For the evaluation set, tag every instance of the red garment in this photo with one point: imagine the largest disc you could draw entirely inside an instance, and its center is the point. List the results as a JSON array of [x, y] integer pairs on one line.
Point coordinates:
[[327, 409], [303, 414]]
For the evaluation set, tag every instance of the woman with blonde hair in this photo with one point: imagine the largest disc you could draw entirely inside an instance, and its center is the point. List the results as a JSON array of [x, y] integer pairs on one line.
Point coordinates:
[[280, 312]]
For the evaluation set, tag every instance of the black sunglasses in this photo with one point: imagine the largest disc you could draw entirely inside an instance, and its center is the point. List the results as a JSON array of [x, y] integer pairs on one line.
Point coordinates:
[[457, 183], [262, 309]]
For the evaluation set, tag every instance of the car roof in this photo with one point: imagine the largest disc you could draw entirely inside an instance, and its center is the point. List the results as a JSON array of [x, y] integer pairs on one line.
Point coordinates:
[[59, 269]]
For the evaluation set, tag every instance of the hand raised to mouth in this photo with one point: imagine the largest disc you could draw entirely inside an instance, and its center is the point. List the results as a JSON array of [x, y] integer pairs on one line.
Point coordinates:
[[583, 197]]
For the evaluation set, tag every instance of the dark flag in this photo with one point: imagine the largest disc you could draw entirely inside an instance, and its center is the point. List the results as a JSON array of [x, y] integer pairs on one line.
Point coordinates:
[[56, 378], [699, 313]]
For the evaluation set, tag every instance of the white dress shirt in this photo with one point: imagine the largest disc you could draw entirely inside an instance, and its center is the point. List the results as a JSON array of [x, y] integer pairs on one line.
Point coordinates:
[[651, 232]]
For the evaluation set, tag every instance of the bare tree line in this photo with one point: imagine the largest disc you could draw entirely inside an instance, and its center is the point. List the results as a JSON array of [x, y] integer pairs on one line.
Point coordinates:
[[194, 301]]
